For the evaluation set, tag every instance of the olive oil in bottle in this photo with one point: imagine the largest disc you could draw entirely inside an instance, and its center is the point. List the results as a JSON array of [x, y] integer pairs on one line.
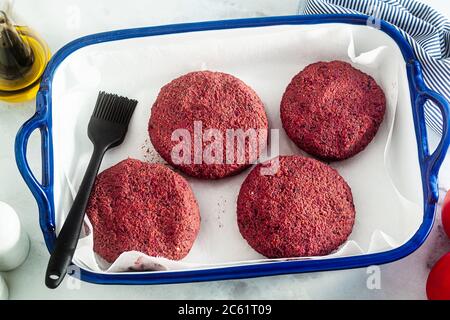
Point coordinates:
[[23, 57]]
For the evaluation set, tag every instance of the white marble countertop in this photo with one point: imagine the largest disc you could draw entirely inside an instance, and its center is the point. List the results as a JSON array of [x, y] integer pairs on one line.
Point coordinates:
[[59, 22]]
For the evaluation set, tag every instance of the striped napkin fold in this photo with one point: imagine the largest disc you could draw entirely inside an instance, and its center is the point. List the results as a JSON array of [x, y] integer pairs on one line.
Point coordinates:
[[425, 29]]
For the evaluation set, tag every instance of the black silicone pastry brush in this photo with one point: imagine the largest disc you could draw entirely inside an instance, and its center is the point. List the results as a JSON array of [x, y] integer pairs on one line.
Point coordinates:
[[107, 129]]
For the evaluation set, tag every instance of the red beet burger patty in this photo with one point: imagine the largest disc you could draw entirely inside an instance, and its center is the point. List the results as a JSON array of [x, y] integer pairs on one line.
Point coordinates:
[[143, 207], [332, 110], [305, 209], [213, 100]]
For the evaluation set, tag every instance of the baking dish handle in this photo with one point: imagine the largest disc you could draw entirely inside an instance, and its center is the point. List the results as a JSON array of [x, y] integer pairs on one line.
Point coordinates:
[[41, 190], [432, 162]]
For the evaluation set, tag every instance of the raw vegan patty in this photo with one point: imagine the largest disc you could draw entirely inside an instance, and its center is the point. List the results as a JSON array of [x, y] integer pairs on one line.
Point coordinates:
[[220, 101], [332, 110], [143, 207], [305, 209]]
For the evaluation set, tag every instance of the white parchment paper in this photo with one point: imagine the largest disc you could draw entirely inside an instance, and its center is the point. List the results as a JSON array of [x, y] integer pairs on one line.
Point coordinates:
[[385, 177]]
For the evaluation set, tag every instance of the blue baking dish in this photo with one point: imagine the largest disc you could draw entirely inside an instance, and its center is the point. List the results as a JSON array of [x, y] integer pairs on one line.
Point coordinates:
[[419, 94]]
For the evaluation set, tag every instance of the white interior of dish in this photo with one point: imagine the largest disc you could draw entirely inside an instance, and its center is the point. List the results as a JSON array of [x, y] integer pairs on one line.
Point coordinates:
[[385, 177]]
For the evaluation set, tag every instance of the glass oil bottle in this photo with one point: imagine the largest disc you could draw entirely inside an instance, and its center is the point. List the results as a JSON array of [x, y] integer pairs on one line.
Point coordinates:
[[23, 58]]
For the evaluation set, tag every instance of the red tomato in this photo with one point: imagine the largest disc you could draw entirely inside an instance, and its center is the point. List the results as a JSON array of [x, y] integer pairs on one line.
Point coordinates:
[[438, 283], [446, 214]]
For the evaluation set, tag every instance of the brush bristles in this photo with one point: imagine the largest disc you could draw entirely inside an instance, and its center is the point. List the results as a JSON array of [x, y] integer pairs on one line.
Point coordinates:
[[114, 108]]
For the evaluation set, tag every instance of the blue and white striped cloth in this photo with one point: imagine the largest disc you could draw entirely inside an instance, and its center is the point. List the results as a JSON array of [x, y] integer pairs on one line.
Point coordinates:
[[426, 30]]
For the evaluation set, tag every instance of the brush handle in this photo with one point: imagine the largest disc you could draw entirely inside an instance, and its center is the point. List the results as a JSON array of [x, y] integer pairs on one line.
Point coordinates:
[[67, 240]]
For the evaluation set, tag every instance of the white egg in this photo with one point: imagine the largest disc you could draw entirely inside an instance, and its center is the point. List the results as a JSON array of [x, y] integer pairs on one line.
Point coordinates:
[[9, 227], [14, 243]]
